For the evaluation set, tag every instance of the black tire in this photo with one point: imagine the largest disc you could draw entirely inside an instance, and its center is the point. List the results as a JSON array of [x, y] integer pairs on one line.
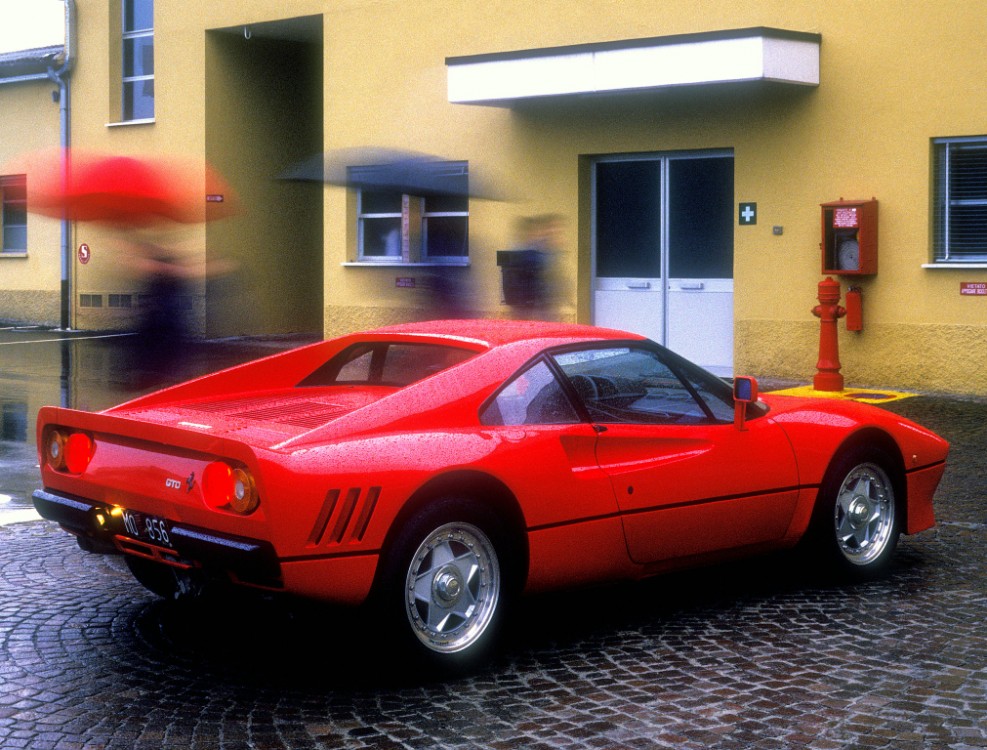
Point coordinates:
[[857, 519], [443, 587]]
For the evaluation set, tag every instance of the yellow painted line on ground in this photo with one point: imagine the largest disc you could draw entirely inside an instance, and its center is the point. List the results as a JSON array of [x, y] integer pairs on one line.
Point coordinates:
[[863, 395]]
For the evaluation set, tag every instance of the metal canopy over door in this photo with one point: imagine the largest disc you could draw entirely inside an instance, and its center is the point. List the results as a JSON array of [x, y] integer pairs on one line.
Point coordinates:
[[663, 251]]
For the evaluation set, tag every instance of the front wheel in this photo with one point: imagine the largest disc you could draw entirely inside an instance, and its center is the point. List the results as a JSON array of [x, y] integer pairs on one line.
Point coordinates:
[[857, 517], [444, 584]]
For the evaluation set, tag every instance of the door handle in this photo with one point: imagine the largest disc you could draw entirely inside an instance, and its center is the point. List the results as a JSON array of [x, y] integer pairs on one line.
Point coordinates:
[[692, 286], [641, 285]]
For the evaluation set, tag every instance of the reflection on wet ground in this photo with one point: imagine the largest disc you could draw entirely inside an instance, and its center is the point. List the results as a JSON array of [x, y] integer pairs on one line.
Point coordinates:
[[41, 367]]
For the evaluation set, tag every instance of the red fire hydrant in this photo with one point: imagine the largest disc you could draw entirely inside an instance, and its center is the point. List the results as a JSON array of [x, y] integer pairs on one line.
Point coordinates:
[[828, 311]]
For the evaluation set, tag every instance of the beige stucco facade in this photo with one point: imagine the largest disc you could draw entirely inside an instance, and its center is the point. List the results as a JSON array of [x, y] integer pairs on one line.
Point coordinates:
[[254, 85], [30, 282]]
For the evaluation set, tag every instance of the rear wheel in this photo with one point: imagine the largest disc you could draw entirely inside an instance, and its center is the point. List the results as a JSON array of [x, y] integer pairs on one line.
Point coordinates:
[[857, 519], [443, 587]]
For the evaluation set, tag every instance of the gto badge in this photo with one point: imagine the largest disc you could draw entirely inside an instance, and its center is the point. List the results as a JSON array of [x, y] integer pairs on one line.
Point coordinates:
[[173, 484]]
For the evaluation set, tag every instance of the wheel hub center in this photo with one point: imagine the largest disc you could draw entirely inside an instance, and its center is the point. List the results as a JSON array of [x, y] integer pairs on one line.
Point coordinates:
[[447, 586], [860, 510]]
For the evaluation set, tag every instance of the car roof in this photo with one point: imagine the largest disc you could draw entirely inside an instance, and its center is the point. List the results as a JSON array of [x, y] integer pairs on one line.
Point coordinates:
[[496, 332]]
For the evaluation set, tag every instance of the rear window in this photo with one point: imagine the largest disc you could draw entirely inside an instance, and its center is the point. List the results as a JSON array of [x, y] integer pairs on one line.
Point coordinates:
[[386, 363]]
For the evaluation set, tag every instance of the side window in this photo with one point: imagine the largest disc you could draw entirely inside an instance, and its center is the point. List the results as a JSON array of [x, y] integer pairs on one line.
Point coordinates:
[[357, 369], [718, 400], [13, 214], [138, 60], [533, 397], [959, 200], [383, 363], [405, 364], [424, 219], [628, 385]]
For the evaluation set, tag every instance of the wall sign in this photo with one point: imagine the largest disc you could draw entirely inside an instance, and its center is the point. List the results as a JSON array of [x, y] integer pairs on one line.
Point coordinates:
[[748, 214], [973, 288], [84, 253]]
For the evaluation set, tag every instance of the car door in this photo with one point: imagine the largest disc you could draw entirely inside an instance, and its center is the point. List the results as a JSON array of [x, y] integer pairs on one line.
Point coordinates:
[[545, 450], [687, 481]]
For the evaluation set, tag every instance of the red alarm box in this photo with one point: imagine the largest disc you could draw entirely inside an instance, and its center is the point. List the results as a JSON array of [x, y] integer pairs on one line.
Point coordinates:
[[849, 237]]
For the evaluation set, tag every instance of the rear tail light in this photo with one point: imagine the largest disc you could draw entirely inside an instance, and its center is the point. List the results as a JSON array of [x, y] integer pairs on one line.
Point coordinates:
[[69, 452], [227, 488]]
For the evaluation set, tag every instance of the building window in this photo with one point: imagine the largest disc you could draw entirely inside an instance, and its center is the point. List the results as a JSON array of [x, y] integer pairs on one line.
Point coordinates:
[[426, 221], [959, 211], [13, 213], [138, 59]]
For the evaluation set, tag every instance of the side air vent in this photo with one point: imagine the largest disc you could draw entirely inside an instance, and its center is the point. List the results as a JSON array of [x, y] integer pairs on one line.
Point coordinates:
[[344, 517]]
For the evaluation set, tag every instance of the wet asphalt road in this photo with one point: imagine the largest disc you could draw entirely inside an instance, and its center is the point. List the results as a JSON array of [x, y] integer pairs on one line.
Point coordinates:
[[759, 654]]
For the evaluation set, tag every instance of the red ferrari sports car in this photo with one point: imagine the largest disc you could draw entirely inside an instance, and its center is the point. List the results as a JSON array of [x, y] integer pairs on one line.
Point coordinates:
[[434, 470]]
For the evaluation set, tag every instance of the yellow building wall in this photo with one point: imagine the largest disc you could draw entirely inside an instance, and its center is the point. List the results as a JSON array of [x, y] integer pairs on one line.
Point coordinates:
[[895, 74], [192, 73], [30, 283]]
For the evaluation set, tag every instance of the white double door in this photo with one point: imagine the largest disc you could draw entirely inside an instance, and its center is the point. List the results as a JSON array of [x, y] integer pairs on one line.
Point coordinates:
[[663, 251]]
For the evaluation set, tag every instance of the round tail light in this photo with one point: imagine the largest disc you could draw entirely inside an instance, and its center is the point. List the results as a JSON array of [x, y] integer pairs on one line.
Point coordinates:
[[78, 452], [71, 453], [224, 487], [55, 450]]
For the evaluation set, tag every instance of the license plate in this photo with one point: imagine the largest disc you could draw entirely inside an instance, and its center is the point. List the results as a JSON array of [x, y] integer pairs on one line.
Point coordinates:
[[146, 528]]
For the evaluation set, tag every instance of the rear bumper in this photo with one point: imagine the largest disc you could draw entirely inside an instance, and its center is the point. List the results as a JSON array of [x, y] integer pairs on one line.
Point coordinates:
[[99, 530]]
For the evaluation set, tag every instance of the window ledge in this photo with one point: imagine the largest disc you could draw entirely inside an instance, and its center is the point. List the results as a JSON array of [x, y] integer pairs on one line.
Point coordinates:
[[947, 266], [124, 123], [13, 254], [402, 264]]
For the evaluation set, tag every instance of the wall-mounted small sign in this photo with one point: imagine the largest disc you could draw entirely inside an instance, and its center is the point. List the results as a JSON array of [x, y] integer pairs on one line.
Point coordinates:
[[405, 282], [214, 198], [748, 214], [973, 288], [84, 253]]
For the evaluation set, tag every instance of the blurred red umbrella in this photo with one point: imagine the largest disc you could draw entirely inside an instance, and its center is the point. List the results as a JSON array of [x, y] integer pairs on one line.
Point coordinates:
[[124, 190]]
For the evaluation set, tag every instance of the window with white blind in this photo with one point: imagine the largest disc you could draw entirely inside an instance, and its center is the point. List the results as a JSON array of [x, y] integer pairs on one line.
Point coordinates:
[[959, 197]]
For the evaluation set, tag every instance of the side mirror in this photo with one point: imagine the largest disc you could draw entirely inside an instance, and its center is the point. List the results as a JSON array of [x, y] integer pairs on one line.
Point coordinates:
[[744, 392]]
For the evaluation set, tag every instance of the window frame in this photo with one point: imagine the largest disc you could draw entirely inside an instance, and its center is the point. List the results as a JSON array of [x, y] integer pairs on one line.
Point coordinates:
[[130, 82], [943, 250], [414, 218], [380, 355], [688, 374], [9, 183], [683, 376], [493, 406]]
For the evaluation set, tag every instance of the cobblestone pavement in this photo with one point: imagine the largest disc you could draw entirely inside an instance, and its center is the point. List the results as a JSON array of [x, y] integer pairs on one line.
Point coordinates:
[[759, 654]]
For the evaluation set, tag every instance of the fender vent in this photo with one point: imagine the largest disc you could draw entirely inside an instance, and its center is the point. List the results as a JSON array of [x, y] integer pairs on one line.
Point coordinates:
[[344, 518]]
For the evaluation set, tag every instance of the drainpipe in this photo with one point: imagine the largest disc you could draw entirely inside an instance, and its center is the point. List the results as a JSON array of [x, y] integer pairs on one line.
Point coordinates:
[[59, 78]]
